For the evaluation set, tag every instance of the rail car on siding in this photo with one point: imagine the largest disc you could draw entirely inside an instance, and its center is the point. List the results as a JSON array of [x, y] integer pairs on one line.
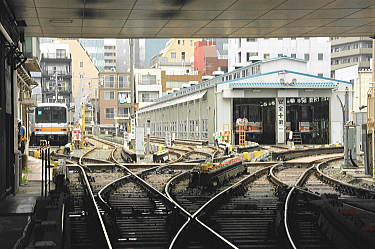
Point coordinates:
[[50, 123], [210, 175]]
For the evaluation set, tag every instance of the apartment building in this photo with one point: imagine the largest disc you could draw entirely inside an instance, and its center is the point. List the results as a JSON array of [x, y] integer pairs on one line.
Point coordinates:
[[177, 57], [360, 78], [314, 50], [114, 101], [85, 83], [206, 58], [148, 85], [350, 51], [56, 73]]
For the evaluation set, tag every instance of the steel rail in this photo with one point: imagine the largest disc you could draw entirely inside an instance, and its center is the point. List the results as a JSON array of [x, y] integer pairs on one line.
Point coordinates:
[[299, 182], [97, 211], [298, 187], [165, 197], [194, 216], [338, 182]]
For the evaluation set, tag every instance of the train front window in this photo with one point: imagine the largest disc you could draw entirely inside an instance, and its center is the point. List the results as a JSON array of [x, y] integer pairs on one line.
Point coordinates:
[[50, 114]]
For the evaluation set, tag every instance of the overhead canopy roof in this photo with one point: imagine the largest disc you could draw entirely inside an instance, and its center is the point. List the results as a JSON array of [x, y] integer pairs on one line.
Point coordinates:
[[195, 18]]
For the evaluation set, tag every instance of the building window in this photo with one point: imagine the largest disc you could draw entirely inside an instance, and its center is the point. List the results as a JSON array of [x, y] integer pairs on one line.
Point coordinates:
[[191, 42], [280, 38], [123, 97], [183, 42], [320, 74], [148, 96], [173, 55], [279, 55], [239, 42], [109, 95], [320, 56], [123, 112], [110, 113], [81, 64], [174, 84], [307, 38], [266, 56], [109, 81], [183, 56], [123, 81], [81, 76], [307, 57], [293, 55], [293, 38], [178, 42], [60, 53], [239, 57], [251, 39], [247, 56], [148, 79]]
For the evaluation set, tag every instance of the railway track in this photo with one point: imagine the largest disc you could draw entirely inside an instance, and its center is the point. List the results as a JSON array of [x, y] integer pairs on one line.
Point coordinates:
[[309, 215], [84, 223], [246, 212], [137, 213]]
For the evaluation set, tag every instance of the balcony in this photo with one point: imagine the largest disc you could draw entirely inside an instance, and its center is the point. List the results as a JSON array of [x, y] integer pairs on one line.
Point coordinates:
[[52, 73], [50, 57]]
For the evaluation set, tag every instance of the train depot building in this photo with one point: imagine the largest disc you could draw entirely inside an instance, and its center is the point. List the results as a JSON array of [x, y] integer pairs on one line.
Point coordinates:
[[275, 96]]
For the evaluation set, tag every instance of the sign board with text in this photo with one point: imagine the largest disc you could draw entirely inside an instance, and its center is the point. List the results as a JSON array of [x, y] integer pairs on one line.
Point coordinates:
[[168, 139], [132, 129], [280, 117]]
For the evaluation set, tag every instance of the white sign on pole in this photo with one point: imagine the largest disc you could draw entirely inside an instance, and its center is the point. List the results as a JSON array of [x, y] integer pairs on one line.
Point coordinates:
[[132, 129], [126, 138], [139, 140], [168, 139], [280, 112]]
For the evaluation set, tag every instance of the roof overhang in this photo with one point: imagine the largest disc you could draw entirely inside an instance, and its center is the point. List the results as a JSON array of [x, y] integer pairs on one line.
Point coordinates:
[[297, 85], [175, 101], [195, 18]]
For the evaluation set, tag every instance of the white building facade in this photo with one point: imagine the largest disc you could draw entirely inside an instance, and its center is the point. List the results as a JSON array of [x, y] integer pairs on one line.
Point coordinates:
[[316, 51], [147, 85], [361, 79]]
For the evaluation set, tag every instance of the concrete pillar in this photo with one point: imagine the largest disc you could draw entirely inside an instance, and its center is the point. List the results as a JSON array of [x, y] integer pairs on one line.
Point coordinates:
[[372, 157], [280, 120]]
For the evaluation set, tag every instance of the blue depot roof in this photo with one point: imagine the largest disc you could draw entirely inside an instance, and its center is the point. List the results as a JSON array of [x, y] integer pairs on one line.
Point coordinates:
[[243, 79], [281, 85]]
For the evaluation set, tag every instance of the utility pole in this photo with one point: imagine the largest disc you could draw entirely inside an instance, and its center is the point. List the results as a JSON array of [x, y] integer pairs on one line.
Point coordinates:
[[56, 86], [132, 91], [131, 51]]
